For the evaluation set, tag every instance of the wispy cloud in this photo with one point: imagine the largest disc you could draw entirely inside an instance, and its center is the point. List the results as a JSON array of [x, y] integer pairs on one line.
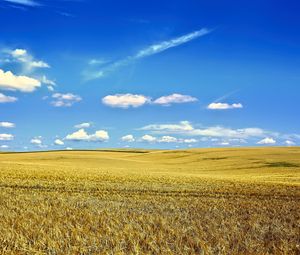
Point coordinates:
[[24, 2], [157, 48], [186, 128], [166, 139], [218, 135], [146, 52], [23, 57], [83, 125], [7, 99]]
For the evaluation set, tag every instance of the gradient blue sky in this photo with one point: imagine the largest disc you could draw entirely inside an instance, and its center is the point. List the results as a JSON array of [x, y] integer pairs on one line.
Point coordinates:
[[234, 67]]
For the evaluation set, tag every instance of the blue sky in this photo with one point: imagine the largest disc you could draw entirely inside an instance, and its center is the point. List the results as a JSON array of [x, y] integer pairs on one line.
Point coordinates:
[[162, 74]]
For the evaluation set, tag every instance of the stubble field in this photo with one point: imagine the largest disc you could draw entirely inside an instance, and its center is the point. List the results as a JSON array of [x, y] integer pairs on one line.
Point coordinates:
[[198, 201]]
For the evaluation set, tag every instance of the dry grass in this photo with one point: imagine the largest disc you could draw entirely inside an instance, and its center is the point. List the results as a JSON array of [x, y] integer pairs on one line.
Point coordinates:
[[210, 201]]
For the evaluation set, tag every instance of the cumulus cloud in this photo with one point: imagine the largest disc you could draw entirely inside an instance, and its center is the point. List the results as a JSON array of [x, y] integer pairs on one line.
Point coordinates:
[[18, 53], [148, 138], [4, 146], [9, 81], [224, 106], [65, 100], [83, 125], [267, 140], [174, 99], [125, 100], [82, 135], [6, 137], [146, 52], [168, 139], [36, 141], [5, 124], [132, 100], [128, 138], [58, 142], [7, 99], [186, 128]]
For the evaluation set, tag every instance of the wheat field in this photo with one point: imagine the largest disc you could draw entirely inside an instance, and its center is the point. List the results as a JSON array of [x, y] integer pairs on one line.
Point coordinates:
[[197, 201]]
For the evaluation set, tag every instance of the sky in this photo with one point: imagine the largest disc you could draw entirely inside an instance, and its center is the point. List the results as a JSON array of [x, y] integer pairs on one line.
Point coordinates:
[[86, 74]]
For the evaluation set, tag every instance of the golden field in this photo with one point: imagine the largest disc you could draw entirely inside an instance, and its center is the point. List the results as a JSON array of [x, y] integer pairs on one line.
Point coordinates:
[[197, 201]]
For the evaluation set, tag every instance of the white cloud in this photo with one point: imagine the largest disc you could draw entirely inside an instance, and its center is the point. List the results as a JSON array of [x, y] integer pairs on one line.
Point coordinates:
[[267, 140], [132, 100], [50, 88], [9, 81], [50, 83], [82, 135], [6, 137], [58, 142], [36, 141], [219, 131], [168, 139], [27, 60], [7, 99], [224, 143], [224, 106], [65, 100], [174, 99], [183, 126], [186, 128], [5, 124], [148, 138], [24, 2], [17, 53], [100, 135], [69, 148], [83, 125], [4, 146], [97, 62], [128, 138], [162, 46], [39, 64], [289, 143], [146, 52], [125, 100], [45, 80], [192, 140]]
